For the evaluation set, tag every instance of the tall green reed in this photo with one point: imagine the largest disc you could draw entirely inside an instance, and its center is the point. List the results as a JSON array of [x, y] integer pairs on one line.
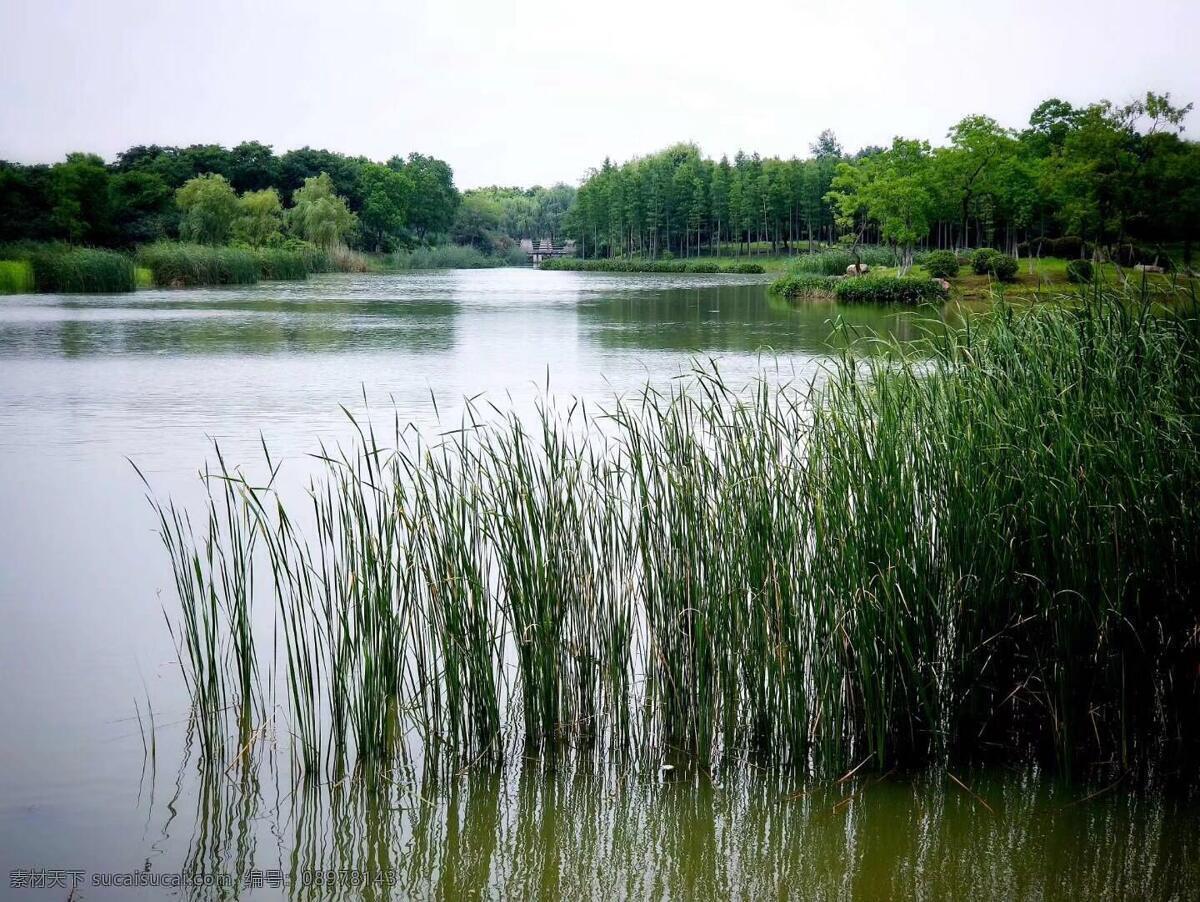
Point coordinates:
[[989, 546]]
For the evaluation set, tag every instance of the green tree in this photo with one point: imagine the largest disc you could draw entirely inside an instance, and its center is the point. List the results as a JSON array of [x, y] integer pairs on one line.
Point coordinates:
[[319, 215], [434, 198], [80, 199], [477, 222], [209, 207], [140, 202], [386, 195], [260, 217]]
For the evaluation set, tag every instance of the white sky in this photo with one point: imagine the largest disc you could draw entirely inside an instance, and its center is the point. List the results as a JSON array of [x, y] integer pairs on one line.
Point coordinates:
[[534, 92]]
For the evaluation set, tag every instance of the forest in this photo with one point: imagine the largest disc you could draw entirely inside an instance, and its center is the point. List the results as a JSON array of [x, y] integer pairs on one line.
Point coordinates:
[[1105, 173], [216, 195], [1089, 179]]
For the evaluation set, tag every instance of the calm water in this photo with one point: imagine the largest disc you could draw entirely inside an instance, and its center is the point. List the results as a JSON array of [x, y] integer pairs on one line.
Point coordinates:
[[86, 382]]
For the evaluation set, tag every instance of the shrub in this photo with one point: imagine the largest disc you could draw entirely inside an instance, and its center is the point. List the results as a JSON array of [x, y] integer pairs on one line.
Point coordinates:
[[1003, 267], [180, 265], [805, 285], [981, 261], [889, 290], [666, 255], [941, 264], [1079, 272], [82, 270]]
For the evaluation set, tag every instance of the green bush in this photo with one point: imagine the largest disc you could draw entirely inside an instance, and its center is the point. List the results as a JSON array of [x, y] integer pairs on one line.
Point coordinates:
[[941, 264], [179, 265], [82, 271], [805, 285], [981, 261], [1080, 272], [16, 277], [889, 290], [1003, 267]]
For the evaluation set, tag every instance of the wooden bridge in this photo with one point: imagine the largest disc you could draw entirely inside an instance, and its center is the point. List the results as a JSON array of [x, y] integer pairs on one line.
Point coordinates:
[[544, 249]]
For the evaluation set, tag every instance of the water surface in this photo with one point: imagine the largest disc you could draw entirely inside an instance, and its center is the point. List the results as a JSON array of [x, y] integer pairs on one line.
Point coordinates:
[[89, 382]]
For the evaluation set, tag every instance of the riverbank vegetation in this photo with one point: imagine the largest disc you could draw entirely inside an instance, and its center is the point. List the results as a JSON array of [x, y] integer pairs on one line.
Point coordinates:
[[250, 195], [985, 548], [643, 265], [63, 268], [455, 256], [1109, 180]]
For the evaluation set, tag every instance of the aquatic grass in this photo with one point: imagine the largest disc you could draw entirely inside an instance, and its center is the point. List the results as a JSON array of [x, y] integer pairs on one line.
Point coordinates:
[[805, 285], [877, 289], [986, 548], [16, 277], [75, 270], [180, 265], [448, 256], [277, 264]]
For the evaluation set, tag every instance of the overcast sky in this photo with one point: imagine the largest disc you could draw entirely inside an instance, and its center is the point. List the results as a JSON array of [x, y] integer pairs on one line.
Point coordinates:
[[535, 92]]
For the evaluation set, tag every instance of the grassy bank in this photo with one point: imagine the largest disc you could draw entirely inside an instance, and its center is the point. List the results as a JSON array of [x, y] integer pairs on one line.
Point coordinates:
[[987, 549], [641, 265]]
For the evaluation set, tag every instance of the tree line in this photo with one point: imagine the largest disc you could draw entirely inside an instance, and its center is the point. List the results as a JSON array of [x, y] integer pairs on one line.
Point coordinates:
[[493, 217], [212, 193], [1106, 173]]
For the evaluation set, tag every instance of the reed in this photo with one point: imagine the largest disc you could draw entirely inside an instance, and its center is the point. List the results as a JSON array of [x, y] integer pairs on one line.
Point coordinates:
[[805, 285], [823, 263], [873, 289], [644, 265], [990, 547], [448, 256], [16, 277], [180, 265], [74, 270]]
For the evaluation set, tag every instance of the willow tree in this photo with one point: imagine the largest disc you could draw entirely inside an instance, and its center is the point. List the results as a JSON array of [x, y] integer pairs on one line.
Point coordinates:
[[319, 215], [209, 206], [260, 217]]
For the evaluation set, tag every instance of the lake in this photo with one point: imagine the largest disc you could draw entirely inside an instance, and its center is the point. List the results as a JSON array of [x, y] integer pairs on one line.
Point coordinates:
[[90, 383]]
